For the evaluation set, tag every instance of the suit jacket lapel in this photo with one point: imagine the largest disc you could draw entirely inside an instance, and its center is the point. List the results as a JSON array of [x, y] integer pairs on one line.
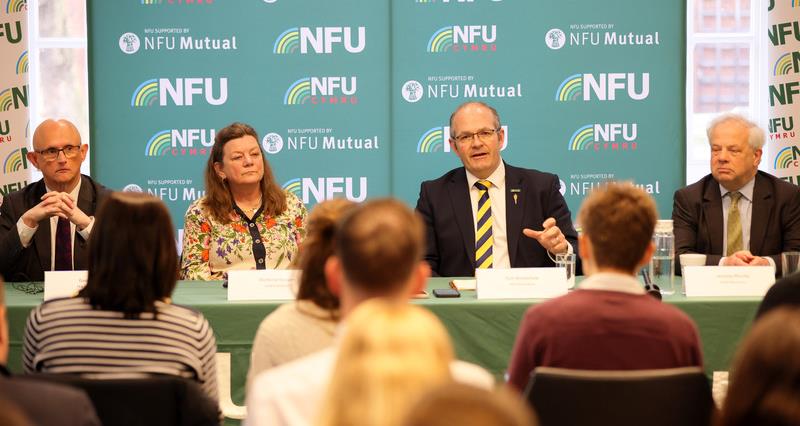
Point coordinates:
[[515, 209], [762, 209], [462, 209], [86, 200], [41, 239], [712, 215]]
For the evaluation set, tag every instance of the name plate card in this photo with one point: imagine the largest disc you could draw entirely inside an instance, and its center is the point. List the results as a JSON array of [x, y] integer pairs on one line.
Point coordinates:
[[730, 281], [58, 284], [520, 283], [265, 284]]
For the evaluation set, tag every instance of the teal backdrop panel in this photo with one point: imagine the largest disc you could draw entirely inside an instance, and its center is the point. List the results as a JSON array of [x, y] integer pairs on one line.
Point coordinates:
[[165, 75], [590, 91]]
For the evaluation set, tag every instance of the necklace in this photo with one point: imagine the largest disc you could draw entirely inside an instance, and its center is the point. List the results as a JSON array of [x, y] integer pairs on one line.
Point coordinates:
[[252, 209]]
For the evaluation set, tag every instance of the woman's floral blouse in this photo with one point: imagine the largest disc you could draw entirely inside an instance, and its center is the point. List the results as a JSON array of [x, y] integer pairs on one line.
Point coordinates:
[[210, 249]]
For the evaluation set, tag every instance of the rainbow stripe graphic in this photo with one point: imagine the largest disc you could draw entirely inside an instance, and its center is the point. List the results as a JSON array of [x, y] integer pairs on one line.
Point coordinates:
[[783, 65], [287, 42], [441, 40], [6, 100], [293, 186], [13, 162], [784, 158], [159, 144], [152, 1], [583, 138], [570, 89], [299, 92], [22, 63], [146, 94], [15, 5], [432, 140]]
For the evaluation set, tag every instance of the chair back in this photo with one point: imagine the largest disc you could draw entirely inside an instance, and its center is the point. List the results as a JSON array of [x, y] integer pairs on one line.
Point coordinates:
[[666, 397], [151, 401]]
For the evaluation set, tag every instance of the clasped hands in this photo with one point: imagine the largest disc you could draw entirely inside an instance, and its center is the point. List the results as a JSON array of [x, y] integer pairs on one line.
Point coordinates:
[[744, 258], [550, 237], [59, 204]]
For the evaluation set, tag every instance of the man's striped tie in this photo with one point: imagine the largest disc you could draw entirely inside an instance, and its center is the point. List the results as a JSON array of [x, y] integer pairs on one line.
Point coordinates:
[[483, 236]]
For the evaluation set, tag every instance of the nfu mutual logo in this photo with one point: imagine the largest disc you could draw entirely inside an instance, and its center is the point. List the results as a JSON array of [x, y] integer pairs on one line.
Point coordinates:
[[320, 40]]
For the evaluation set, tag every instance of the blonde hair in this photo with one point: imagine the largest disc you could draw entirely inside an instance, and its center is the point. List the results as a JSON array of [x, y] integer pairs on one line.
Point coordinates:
[[392, 353]]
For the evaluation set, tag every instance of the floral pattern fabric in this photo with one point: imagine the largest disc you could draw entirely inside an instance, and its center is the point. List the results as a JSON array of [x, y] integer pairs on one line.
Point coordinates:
[[210, 248]]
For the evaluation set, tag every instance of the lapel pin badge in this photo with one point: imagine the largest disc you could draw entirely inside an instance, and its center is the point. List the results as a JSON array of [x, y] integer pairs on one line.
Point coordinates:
[[515, 193]]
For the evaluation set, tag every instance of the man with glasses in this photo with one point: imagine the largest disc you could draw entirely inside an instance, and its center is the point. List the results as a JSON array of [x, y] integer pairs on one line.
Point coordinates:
[[45, 226], [489, 214]]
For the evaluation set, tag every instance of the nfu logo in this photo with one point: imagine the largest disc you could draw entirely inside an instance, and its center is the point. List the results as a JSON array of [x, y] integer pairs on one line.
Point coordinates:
[[180, 142], [555, 39], [436, 139], [12, 34], [475, 38], [787, 157], [129, 43], [614, 136], [779, 32], [14, 98], [326, 188], [788, 63], [320, 40], [322, 90], [180, 91], [603, 87]]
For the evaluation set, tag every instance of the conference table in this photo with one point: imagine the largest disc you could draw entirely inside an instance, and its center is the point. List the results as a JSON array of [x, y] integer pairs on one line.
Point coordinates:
[[482, 331]]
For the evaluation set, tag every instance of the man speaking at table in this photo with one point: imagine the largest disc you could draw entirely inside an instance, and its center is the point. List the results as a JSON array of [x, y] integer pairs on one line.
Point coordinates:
[[489, 214], [45, 226], [737, 215]]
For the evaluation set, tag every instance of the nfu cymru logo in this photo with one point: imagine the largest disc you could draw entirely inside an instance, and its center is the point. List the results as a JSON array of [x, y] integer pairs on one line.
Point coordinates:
[[464, 38], [604, 137], [320, 40], [787, 157], [180, 142], [179, 92], [788, 63], [14, 98], [322, 90], [603, 87]]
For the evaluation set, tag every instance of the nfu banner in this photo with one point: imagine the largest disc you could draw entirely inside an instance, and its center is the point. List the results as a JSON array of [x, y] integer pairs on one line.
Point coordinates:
[[784, 89], [15, 171]]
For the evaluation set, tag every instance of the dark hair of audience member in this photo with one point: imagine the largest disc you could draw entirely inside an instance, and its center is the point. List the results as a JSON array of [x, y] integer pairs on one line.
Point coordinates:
[[315, 250], [619, 220], [464, 405], [219, 201], [764, 384], [379, 244], [133, 260]]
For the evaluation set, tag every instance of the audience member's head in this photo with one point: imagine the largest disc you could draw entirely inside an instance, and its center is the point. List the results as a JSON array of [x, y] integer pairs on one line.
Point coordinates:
[[317, 247], [391, 354], [377, 253], [764, 385], [11, 414], [133, 261], [459, 404], [618, 220]]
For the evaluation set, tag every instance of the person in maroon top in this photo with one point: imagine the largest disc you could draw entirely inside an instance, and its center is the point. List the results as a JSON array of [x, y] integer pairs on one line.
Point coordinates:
[[609, 323]]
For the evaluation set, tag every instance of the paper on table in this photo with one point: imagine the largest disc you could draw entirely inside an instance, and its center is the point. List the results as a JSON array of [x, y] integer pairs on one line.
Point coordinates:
[[461, 285]]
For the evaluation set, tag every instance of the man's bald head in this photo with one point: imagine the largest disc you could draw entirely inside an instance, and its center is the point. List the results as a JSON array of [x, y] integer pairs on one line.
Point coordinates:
[[55, 129]]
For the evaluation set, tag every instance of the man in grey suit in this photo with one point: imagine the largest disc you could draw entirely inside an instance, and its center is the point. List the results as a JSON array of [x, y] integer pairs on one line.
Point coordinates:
[[42, 403], [737, 215], [45, 226]]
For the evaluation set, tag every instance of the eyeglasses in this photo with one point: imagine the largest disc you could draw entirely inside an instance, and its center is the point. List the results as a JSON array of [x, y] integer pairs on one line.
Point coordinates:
[[483, 136], [50, 154]]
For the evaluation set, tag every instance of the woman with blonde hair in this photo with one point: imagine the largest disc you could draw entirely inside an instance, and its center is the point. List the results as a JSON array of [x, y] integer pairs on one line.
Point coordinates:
[[245, 220], [391, 354], [308, 324], [765, 379]]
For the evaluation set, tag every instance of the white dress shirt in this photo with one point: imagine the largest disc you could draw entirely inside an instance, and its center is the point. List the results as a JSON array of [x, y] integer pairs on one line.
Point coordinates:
[[26, 233]]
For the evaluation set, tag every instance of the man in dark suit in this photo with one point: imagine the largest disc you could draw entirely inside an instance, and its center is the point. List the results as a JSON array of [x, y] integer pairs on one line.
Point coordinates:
[[484, 214], [737, 215], [45, 226], [42, 403]]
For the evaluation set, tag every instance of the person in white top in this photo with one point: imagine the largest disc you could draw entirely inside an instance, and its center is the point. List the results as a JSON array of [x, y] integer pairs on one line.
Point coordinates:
[[45, 225], [377, 254]]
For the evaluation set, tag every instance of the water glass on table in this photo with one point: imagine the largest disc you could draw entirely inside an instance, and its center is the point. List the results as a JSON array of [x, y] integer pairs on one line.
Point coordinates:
[[567, 261]]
